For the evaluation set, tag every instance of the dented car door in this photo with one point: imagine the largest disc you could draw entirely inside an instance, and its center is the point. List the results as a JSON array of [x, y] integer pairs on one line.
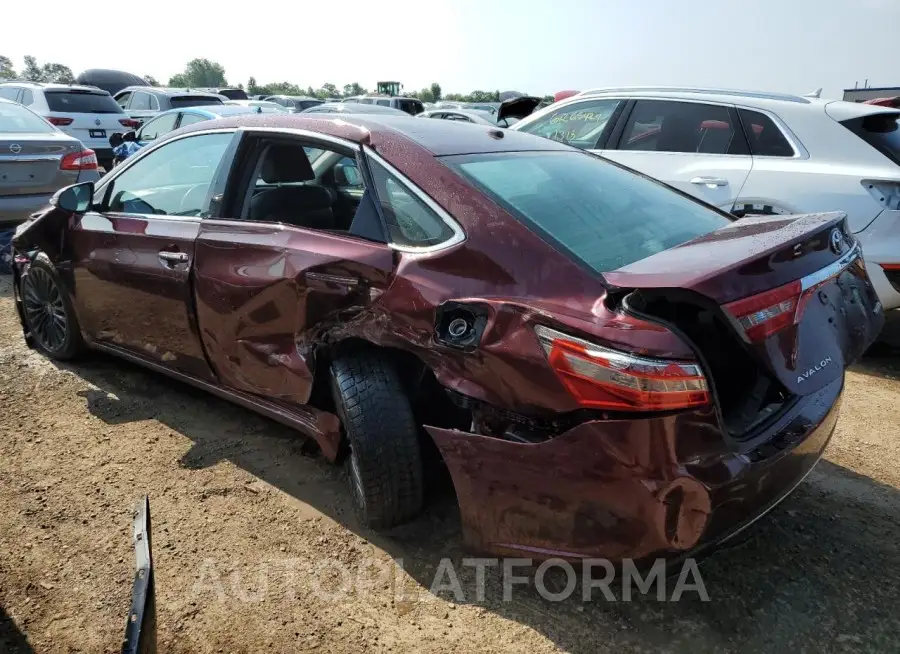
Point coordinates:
[[267, 292]]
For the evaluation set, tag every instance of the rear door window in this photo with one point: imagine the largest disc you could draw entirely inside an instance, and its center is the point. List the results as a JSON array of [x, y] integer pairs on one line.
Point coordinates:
[[687, 127], [881, 131], [9, 92], [581, 124], [79, 102], [764, 136], [157, 127]]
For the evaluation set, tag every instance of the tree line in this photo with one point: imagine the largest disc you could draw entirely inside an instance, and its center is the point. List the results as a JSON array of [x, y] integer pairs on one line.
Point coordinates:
[[204, 73]]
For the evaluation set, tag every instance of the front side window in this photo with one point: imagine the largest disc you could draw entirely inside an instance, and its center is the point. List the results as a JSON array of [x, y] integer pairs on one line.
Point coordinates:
[[604, 215], [410, 221], [581, 124], [173, 180], [123, 98], [157, 127], [687, 127]]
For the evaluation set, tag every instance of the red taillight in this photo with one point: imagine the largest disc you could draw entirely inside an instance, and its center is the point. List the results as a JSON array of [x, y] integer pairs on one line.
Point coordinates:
[[766, 313], [602, 378], [59, 122], [130, 122], [84, 160]]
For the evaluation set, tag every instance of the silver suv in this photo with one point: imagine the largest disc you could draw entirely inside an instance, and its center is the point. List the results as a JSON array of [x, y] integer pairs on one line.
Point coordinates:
[[85, 112]]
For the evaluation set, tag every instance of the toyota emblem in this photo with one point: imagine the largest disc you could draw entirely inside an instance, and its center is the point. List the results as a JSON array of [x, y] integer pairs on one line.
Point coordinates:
[[837, 241], [96, 121], [15, 148]]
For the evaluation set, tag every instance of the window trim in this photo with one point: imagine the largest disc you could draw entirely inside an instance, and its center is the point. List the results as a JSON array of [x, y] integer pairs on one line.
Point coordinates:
[[459, 234]]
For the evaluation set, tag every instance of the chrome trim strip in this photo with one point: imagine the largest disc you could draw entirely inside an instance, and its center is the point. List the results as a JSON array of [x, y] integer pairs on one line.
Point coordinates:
[[458, 234], [831, 270], [333, 279], [18, 158]]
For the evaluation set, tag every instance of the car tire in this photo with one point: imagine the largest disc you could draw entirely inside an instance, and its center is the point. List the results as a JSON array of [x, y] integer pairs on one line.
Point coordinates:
[[384, 464], [49, 315]]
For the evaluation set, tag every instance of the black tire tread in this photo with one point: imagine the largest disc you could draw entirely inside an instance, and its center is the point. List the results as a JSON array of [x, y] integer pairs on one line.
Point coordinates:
[[383, 434]]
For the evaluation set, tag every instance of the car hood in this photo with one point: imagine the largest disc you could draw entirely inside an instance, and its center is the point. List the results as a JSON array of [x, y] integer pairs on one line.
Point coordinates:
[[517, 107]]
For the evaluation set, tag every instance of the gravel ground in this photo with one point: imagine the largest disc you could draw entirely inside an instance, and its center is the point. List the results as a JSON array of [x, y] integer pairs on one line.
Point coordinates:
[[256, 548]]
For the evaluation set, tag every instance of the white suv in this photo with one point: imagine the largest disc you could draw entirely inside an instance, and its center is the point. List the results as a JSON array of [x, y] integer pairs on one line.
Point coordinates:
[[752, 153], [85, 112]]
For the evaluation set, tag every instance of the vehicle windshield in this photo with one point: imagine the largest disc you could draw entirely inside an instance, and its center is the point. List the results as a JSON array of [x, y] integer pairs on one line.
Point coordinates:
[[81, 102], [16, 119], [179, 101], [602, 214]]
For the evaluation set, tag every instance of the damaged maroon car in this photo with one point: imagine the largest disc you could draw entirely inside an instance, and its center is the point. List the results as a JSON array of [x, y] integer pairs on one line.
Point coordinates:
[[607, 367]]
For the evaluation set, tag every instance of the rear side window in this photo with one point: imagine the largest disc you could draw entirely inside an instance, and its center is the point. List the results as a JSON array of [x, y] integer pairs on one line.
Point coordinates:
[[28, 98], [881, 131], [764, 136], [687, 127], [16, 119], [412, 107], [580, 124], [604, 215], [76, 102], [194, 101], [410, 221]]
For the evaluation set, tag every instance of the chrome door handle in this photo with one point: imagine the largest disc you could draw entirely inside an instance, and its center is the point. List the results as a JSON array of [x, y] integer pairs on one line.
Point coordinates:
[[710, 181], [172, 258]]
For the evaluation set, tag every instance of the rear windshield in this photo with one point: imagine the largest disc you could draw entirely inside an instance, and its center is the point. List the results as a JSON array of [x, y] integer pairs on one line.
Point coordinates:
[[194, 101], [602, 214], [881, 131], [81, 102], [16, 119], [234, 94]]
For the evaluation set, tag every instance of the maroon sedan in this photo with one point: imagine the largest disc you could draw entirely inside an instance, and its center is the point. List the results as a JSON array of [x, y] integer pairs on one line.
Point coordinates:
[[607, 367]]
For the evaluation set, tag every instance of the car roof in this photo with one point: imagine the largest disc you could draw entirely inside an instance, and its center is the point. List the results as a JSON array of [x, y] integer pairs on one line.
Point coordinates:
[[440, 137]]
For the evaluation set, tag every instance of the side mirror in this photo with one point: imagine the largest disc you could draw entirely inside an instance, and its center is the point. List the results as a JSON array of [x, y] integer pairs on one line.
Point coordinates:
[[74, 199], [346, 176]]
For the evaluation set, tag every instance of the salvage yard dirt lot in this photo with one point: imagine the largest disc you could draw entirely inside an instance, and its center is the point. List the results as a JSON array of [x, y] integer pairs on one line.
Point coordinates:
[[238, 504]]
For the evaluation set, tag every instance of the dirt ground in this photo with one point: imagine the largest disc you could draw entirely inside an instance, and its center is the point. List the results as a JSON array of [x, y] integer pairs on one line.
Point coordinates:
[[256, 548]]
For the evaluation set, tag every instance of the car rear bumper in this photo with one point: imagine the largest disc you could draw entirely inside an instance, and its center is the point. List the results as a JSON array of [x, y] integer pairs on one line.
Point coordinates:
[[623, 490], [881, 246]]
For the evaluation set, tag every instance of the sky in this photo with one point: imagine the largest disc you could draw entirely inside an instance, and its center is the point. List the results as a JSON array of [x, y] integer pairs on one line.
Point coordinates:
[[537, 47]]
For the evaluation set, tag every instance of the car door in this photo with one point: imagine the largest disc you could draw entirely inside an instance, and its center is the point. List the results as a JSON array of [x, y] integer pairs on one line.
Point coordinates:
[[266, 290], [699, 148], [133, 252]]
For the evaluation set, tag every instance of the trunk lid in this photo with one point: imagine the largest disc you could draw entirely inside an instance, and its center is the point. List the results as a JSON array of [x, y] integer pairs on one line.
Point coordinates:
[[30, 163], [792, 290], [517, 108]]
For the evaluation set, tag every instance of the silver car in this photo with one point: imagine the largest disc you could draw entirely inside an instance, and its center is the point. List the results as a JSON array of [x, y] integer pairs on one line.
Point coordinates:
[[36, 160]]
